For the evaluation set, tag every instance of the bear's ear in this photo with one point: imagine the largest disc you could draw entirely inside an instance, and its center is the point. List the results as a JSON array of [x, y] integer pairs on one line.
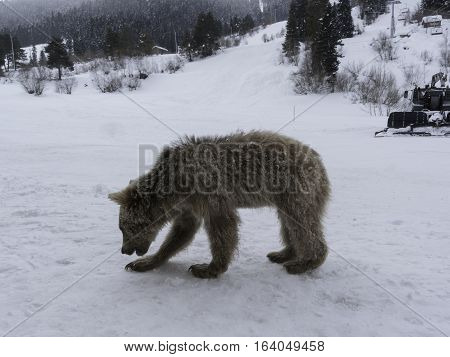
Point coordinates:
[[126, 197], [118, 197]]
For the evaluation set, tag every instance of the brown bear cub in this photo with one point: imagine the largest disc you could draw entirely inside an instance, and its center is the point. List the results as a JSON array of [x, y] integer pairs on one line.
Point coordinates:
[[207, 179]]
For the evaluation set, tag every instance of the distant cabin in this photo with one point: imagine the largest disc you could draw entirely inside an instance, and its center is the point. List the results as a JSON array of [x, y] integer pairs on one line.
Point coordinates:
[[432, 21], [157, 50], [436, 31]]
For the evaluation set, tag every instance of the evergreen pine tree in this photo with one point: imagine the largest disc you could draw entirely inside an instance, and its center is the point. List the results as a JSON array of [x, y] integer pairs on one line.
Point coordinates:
[[325, 56], [4, 49], [186, 46], [58, 57], [111, 45], [315, 10], [42, 59], [301, 19], [434, 4], [69, 46], [206, 35], [19, 55], [235, 25], [247, 25], [291, 43], [371, 9], [145, 44], [344, 13], [127, 42], [295, 28], [33, 57]]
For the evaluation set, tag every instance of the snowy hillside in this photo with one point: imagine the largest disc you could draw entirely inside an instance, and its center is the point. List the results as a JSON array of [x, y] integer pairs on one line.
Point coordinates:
[[410, 49], [61, 267]]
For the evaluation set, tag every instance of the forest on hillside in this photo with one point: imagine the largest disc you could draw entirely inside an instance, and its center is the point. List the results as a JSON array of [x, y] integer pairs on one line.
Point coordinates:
[[86, 23]]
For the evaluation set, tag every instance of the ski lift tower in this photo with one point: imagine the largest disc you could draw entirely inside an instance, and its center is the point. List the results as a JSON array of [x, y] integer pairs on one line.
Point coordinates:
[[446, 52], [393, 2], [12, 52]]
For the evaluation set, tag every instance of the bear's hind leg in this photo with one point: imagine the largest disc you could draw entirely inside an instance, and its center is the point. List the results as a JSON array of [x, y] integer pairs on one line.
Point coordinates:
[[287, 253], [307, 240], [281, 256]]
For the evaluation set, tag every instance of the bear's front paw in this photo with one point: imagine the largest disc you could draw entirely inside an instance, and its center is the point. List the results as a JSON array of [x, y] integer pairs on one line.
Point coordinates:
[[143, 264], [203, 271]]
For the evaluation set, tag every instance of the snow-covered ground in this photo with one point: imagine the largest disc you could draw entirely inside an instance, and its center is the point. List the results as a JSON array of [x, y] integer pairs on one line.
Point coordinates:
[[387, 223], [410, 50]]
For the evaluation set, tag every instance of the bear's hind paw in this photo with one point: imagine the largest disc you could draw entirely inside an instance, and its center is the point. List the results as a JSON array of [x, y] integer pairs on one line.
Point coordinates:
[[203, 271]]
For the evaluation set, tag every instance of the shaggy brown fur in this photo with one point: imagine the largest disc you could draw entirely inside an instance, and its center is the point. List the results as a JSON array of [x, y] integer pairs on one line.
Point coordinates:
[[207, 179]]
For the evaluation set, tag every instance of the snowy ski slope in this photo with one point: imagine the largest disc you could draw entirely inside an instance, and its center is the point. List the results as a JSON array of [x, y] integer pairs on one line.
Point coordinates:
[[387, 223]]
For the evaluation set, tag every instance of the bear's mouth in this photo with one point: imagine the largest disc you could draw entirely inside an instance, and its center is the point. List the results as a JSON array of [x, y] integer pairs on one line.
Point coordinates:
[[139, 251]]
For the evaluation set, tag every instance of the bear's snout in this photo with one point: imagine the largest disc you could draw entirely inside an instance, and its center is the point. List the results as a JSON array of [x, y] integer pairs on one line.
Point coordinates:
[[127, 251]]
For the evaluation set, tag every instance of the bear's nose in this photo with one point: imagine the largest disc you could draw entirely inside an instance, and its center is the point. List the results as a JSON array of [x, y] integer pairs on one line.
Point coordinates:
[[127, 251]]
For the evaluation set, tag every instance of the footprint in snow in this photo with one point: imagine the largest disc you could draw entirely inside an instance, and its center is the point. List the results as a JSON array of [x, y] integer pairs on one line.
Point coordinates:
[[397, 223]]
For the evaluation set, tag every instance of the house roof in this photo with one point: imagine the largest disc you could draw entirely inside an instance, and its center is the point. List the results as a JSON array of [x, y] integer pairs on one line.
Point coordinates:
[[433, 18], [161, 48]]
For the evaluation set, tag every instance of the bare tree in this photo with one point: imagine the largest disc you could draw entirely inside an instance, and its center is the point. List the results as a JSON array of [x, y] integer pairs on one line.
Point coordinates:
[[33, 80], [426, 57], [385, 47], [107, 83], [132, 81], [444, 58], [378, 89], [413, 75], [66, 85]]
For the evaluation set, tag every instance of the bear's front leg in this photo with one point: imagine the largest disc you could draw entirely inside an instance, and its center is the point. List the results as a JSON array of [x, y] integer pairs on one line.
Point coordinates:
[[221, 224], [179, 237], [144, 264]]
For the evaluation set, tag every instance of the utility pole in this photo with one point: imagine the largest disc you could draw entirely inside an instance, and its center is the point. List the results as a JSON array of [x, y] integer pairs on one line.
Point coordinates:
[[12, 51], [446, 52], [392, 21], [231, 22], [393, 16], [176, 42]]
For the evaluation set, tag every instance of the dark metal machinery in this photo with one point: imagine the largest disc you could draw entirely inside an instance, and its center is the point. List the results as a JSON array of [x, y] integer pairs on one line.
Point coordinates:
[[429, 115]]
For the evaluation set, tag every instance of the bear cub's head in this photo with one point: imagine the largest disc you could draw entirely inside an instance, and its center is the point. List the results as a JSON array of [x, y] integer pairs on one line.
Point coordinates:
[[139, 219]]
